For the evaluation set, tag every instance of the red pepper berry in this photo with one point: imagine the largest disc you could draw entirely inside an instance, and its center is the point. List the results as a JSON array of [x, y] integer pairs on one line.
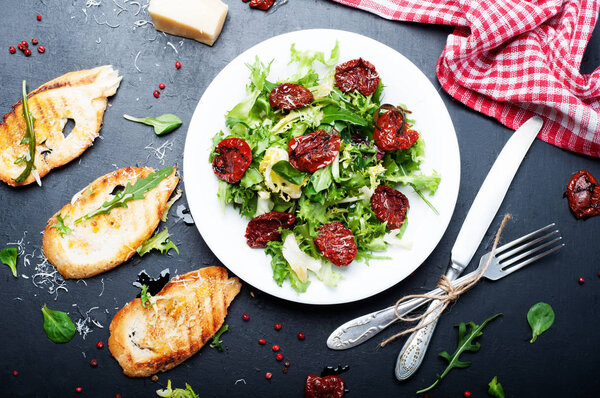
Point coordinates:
[[78, 389], [12, 49], [156, 93], [467, 394], [268, 375], [301, 336], [161, 86], [27, 52], [99, 345], [34, 41], [118, 396], [287, 364], [275, 348], [15, 373], [25, 44], [278, 326], [581, 280], [178, 64], [93, 363], [279, 357], [246, 317], [38, 17], [41, 49], [598, 274], [262, 341]]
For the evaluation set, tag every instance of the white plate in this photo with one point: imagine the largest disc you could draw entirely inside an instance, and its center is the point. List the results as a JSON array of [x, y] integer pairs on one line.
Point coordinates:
[[406, 84]]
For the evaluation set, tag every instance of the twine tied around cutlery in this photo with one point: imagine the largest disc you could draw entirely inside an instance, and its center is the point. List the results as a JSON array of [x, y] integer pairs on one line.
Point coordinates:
[[450, 294]]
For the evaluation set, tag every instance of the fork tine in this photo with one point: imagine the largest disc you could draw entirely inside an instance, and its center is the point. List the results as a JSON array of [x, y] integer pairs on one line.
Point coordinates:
[[523, 238], [519, 249], [529, 252], [530, 260]]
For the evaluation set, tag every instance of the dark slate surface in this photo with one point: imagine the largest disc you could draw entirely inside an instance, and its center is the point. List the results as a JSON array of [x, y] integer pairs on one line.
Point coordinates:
[[562, 363]]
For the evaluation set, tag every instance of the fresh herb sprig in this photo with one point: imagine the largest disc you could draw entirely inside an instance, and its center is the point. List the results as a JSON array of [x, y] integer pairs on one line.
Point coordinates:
[[131, 192], [495, 388], [178, 392], [58, 326], [147, 299], [28, 138], [160, 241], [540, 317], [60, 225], [467, 333], [216, 343], [162, 124], [9, 256]]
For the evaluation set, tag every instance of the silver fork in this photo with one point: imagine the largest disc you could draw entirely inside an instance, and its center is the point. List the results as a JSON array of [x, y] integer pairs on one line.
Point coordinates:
[[508, 258]]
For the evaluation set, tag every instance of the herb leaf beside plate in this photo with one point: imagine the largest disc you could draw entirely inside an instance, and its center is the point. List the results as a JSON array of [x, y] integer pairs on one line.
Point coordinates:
[[58, 326]]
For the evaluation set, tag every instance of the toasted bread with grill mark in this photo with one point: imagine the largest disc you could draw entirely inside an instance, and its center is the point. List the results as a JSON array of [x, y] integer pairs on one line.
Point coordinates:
[[80, 96], [107, 240], [189, 310]]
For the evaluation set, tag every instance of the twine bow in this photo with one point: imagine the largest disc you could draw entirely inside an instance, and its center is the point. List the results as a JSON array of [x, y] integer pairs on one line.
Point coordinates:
[[450, 293]]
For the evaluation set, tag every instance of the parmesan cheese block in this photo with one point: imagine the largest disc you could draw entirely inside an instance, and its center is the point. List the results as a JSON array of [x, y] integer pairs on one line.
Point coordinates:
[[201, 20]]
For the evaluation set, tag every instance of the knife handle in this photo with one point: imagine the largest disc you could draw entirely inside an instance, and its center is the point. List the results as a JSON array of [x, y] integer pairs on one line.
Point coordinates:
[[412, 354]]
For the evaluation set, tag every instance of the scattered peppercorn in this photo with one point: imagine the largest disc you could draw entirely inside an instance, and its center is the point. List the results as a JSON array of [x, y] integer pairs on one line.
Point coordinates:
[[38, 17], [246, 317], [12, 49], [41, 49], [178, 64], [99, 345], [467, 394], [161, 86], [275, 348], [278, 326], [27, 52], [15, 373], [262, 341], [284, 370], [154, 378], [581, 280], [93, 363], [20, 47], [24, 44], [34, 41], [301, 336], [118, 396], [78, 389], [598, 274], [156, 93], [279, 357], [286, 364], [268, 375]]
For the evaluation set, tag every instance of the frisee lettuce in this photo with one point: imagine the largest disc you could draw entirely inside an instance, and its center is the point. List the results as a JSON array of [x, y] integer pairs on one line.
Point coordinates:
[[160, 241], [178, 392]]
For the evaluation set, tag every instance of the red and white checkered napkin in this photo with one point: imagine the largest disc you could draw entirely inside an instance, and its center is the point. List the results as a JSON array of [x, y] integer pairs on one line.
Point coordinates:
[[510, 59]]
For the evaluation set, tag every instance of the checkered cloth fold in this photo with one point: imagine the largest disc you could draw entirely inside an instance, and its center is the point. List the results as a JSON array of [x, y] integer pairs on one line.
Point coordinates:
[[511, 59]]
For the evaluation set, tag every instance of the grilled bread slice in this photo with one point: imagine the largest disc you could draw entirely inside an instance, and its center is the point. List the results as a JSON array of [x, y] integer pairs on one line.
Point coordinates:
[[107, 240], [80, 96], [187, 312]]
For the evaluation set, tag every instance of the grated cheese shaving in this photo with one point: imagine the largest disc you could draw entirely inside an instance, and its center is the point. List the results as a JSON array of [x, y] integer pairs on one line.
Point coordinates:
[[240, 381], [135, 61], [173, 47], [102, 281], [106, 23], [170, 203], [160, 152]]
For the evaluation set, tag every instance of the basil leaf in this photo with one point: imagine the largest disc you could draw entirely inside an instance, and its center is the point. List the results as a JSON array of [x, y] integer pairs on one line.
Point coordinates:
[[131, 192], [159, 241], [288, 172], [332, 113], [60, 226], [495, 389], [162, 124], [321, 179], [216, 343], [58, 326], [28, 138], [540, 317], [9, 257]]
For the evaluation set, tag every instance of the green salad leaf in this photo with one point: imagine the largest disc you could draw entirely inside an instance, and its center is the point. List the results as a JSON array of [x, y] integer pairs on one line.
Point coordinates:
[[131, 192], [289, 172], [147, 299], [8, 256], [60, 225], [160, 241], [58, 326], [178, 392], [540, 317], [215, 342], [332, 113], [495, 388], [162, 124], [28, 138]]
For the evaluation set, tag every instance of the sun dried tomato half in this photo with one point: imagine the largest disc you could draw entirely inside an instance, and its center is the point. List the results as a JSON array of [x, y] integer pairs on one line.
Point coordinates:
[[583, 194], [232, 160], [389, 206], [265, 228], [391, 131], [290, 96], [337, 244], [311, 152], [324, 387], [261, 4], [357, 74]]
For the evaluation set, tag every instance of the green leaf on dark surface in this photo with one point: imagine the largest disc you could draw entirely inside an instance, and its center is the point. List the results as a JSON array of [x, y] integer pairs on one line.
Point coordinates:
[[60, 225], [160, 241], [9, 256], [288, 172], [540, 317], [146, 297], [495, 389], [178, 392], [131, 192], [332, 113], [162, 124], [58, 326], [28, 138], [215, 342], [467, 333]]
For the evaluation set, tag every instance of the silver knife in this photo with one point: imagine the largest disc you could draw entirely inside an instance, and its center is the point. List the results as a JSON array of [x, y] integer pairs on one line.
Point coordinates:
[[482, 212]]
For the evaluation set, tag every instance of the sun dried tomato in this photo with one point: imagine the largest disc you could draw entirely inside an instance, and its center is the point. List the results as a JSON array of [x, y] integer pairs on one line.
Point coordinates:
[[261, 4], [324, 387], [357, 74], [265, 228], [290, 96], [232, 160], [583, 193], [389, 206], [337, 244], [311, 152], [391, 132]]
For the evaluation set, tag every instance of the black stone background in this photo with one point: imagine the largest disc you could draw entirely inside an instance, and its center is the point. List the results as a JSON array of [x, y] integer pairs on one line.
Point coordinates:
[[562, 363]]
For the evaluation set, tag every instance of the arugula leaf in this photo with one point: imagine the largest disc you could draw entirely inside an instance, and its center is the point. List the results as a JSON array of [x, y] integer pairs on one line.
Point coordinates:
[[8, 256], [321, 179], [540, 317], [131, 192], [58, 326], [288, 172], [162, 124], [467, 333], [158, 242], [28, 138], [215, 342], [178, 392], [60, 226], [495, 388], [332, 113], [147, 299]]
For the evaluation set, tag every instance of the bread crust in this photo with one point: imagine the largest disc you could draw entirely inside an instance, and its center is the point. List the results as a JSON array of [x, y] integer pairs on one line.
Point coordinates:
[[80, 96], [189, 310], [107, 240]]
